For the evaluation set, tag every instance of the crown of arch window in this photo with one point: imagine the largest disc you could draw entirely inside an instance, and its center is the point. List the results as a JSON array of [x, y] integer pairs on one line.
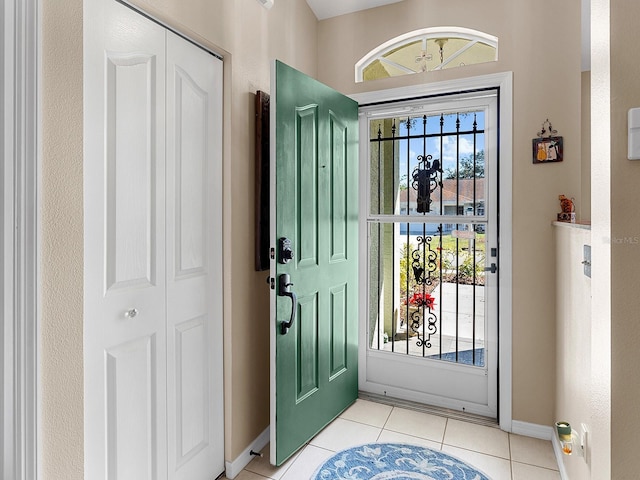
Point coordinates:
[[434, 48]]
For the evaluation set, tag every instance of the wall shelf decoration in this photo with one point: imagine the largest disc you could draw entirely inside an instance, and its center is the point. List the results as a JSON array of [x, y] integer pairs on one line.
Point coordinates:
[[548, 147]]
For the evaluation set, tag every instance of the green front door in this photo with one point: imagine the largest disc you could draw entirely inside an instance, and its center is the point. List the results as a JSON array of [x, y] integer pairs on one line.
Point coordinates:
[[314, 370]]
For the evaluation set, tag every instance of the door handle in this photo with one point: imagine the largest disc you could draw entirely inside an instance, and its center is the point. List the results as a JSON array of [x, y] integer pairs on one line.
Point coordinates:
[[493, 268], [284, 290]]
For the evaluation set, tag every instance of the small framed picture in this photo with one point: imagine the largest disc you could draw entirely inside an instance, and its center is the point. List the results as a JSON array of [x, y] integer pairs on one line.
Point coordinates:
[[547, 149]]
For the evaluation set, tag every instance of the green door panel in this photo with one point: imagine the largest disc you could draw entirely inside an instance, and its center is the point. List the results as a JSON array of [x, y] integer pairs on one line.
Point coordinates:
[[316, 167]]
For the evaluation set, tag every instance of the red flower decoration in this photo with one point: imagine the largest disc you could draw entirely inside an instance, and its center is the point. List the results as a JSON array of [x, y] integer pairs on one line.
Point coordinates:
[[422, 299]]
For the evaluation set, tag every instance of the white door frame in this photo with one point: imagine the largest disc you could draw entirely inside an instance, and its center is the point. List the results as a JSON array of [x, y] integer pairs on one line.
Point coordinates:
[[19, 284], [504, 82]]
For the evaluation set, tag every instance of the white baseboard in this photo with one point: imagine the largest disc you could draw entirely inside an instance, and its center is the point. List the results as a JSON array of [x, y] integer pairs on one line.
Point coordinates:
[[534, 430], [544, 433], [557, 449], [236, 466]]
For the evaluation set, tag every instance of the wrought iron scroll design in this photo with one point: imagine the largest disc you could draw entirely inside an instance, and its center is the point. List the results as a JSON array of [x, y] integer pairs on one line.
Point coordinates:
[[424, 264], [430, 327], [424, 267], [425, 181]]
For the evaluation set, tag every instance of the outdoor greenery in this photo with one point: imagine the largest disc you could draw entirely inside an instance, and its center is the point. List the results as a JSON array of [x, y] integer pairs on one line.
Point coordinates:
[[466, 167], [465, 170], [410, 288], [417, 295]]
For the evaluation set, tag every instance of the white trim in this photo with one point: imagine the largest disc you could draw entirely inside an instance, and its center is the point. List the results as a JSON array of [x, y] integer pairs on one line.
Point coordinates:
[[20, 235], [272, 266], [503, 81], [557, 449], [423, 398], [505, 272], [363, 246], [424, 34], [543, 432], [232, 469]]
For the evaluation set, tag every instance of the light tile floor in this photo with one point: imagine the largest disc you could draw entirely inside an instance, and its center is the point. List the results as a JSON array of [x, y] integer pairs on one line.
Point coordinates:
[[502, 456]]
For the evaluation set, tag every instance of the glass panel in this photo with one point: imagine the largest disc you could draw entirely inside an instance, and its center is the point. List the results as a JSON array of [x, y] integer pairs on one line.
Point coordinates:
[[426, 54], [412, 56], [450, 46], [427, 290], [428, 164], [374, 71], [478, 53], [384, 166]]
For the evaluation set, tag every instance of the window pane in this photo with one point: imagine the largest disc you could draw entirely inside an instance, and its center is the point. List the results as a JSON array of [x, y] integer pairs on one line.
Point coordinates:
[[427, 165], [427, 290], [374, 71], [478, 53]]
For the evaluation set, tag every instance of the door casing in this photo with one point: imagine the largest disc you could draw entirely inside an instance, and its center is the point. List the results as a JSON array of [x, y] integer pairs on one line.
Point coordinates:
[[504, 83], [19, 240]]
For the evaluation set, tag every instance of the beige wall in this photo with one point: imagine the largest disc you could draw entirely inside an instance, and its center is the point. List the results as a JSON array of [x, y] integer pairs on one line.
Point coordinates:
[[62, 245], [625, 244], [250, 37], [573, 348], [540, 43]]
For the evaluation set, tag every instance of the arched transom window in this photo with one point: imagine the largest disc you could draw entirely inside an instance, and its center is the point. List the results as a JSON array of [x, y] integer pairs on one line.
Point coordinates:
[[434, 48]]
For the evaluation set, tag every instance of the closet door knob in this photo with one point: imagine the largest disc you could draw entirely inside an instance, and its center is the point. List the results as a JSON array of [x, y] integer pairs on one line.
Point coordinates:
[[131, 313]]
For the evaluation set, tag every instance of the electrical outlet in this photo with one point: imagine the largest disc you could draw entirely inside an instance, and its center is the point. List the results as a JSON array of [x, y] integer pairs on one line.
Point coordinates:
[[584, 441], [586, 260]]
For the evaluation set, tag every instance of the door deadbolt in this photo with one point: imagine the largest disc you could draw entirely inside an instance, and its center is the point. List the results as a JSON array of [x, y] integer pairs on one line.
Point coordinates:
[[285, 253]]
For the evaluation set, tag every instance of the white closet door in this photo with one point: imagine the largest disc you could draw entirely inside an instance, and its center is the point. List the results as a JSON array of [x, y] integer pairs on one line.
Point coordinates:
[[194, 270], [153, 303], [125, 312]]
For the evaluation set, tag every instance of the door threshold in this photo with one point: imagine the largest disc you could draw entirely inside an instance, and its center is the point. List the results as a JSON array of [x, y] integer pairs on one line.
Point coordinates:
[[430, 409]]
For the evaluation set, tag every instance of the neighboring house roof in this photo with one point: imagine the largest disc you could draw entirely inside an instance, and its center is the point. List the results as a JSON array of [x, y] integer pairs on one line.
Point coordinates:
[[450, 189]]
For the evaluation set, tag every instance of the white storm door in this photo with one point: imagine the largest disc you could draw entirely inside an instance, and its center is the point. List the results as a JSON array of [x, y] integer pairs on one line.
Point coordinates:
[[124, 241], [194, 262], [431, 334]]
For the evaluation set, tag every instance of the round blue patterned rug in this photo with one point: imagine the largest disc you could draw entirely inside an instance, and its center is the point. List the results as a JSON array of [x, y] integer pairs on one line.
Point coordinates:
[[395, 461]]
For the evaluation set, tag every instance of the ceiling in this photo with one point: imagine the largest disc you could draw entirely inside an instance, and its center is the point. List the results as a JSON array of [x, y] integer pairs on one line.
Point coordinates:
[[332, 8]]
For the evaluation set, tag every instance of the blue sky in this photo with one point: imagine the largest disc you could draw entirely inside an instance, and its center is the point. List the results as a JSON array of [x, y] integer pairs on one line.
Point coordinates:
[[449, 151]]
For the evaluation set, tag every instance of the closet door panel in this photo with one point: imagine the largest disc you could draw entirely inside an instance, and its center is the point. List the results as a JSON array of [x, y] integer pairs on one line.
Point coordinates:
[[124, 245], [194, 246]]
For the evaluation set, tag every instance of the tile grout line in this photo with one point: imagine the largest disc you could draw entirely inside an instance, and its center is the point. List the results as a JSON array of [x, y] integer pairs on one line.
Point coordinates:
[[536, 466], [444, 434], [510, 456], [388, 416]]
